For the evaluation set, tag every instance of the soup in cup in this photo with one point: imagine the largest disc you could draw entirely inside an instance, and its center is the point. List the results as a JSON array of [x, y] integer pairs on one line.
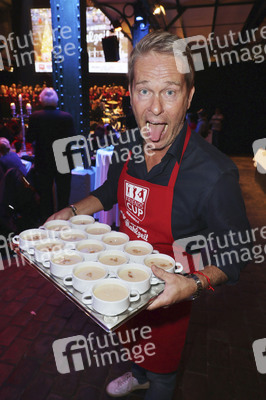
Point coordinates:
[[97, 230], [85, 274], [72, 236], [90, 249], [137, 276], [44, 250], [29, 238], [163, 261], [137, 250], [63, 262], [110, 296], [115, 240], [113, 258], [81, 221], [55, 226]]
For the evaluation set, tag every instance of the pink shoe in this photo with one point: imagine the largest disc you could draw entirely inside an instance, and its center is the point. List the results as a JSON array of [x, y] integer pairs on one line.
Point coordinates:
[[124, 385]]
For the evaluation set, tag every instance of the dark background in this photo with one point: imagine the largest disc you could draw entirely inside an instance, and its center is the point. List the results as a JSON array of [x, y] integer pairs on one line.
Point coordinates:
[[238, 89]]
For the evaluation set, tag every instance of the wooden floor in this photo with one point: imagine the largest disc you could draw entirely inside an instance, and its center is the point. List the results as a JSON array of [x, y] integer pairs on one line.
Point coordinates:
[[217, 363]]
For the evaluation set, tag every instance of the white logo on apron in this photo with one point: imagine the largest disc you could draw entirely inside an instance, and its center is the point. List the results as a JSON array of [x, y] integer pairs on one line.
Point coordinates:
[[135, 200]]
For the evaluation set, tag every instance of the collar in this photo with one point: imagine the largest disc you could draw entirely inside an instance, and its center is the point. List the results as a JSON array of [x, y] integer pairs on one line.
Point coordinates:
[[176, 148], [49, 108]]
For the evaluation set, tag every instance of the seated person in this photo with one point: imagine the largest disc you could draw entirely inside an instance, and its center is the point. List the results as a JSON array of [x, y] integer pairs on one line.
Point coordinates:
[[9, 159]]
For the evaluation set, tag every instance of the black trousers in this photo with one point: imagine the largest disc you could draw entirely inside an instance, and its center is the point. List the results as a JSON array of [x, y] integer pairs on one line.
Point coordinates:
[[44, 185]]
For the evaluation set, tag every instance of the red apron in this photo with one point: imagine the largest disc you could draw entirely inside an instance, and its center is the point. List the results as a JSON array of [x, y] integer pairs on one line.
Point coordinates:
[[146, 215]]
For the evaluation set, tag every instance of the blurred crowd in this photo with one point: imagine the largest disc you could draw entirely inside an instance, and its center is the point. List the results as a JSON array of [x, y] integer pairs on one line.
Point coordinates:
[[106, 93], [30, 94]]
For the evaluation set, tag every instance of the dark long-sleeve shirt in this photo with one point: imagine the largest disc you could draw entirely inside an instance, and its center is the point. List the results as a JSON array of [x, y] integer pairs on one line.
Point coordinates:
[[207, 196]]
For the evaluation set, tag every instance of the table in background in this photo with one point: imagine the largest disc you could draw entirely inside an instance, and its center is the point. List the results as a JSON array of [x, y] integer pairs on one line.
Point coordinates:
[[103, 159], [82, 183]]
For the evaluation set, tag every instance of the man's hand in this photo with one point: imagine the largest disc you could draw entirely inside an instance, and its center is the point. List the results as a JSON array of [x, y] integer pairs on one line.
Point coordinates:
[[65, 213], [87, 206], [177, 288]]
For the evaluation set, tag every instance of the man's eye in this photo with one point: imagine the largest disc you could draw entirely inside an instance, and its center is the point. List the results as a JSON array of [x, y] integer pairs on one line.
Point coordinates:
[[144, 91], [170, 92]]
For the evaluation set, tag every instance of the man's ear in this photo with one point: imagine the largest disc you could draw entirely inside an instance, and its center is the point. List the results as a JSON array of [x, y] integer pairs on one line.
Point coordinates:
[[130, 93], [190, 96]]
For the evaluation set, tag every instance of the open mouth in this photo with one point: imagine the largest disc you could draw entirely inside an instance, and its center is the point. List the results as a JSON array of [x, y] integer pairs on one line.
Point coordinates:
[[156, 130]]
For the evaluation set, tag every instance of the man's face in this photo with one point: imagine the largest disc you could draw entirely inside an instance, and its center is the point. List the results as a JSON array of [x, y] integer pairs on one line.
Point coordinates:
[[159, 98]]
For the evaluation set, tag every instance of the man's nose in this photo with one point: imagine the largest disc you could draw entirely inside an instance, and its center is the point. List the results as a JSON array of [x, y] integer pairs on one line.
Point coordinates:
[[156, 106]]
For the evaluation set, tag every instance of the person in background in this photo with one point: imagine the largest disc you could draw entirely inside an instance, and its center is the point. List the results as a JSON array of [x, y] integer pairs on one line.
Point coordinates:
[[192, 120], [202, 127], [45, 127], [9, 159], [216, 125]]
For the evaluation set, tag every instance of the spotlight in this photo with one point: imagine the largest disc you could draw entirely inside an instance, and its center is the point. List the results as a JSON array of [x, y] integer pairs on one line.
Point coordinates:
[[139, 13], [158, 9], [117, 26]]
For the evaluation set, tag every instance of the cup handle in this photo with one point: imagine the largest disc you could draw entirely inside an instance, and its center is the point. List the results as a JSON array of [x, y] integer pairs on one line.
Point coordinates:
[[87, 298], [154, 280], [42, 227], [68, 280], [111, 274], [31, 251], [178, 267], [46, 263], [15, 239], [134, 295], [155, 251]]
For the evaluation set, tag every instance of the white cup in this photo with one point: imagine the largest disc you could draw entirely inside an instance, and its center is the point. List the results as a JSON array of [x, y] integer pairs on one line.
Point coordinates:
[[90, 248], [97, 230], [113, 259], [55, 226], [81, 221], [85, 275], [44, 250], [115, 240], [110, 297], [137, 250], [163, 261], [137, 276], [72, 236], [27, 239], [63, 262]]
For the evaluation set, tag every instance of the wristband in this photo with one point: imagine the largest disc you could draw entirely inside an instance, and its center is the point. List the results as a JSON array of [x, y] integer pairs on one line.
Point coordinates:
[[73, 208], [208, 279]]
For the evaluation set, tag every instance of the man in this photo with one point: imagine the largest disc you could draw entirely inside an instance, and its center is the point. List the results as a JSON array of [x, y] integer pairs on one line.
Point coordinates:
[[216, 123], [9, 159], [190, 189], [202, 127], [46, 126]]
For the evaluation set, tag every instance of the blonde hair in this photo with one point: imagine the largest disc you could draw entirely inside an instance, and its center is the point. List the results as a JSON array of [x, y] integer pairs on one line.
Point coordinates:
[[48, 97], [159, 42]]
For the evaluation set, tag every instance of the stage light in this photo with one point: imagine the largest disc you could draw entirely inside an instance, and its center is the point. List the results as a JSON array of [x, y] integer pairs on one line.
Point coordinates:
[[139, 12], [158, 9], [117, 26]]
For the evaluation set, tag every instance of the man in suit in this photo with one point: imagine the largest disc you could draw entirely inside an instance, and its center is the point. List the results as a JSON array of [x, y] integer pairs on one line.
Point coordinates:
[[46, 126]]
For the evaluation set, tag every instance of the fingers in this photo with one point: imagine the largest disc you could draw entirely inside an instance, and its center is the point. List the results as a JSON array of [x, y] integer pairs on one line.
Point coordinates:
[[157, 303], [64, 214], [161, 273]]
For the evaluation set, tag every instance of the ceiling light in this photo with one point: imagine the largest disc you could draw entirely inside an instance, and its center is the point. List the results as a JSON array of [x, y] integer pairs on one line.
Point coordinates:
[[159, 10], [117, 26]]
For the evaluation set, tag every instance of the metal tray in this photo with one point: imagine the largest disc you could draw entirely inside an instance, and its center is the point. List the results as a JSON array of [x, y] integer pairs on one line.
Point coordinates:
[[109, 324]]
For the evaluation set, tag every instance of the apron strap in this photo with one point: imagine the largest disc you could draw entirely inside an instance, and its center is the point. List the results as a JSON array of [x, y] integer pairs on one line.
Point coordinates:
[[174, 174]]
